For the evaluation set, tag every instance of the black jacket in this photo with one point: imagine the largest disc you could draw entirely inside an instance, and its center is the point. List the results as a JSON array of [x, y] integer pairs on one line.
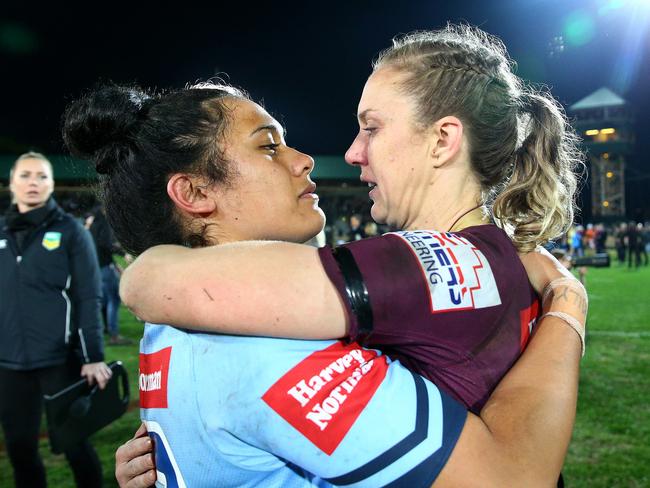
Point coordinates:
[[50, 292]]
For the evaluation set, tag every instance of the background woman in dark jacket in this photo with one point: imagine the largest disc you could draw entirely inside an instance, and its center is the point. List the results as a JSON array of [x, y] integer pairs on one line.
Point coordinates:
[[50, 333]]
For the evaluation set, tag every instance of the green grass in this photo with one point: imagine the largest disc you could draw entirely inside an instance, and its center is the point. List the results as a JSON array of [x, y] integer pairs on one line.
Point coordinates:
[[611, 441], [610, 446]]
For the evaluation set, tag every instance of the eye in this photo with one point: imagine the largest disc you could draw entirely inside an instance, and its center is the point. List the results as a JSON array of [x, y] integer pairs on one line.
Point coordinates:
[[272, 148], [370, 130]]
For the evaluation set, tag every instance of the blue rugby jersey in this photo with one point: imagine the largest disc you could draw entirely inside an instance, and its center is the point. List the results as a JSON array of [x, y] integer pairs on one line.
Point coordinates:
[[249, 411]]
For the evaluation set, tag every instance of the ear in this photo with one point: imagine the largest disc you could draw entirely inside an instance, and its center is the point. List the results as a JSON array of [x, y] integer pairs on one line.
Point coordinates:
[[191, 194], [449, 133]]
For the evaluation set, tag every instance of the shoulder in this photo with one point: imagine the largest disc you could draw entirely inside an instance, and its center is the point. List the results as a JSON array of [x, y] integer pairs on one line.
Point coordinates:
[[494, 242], [70, 225]]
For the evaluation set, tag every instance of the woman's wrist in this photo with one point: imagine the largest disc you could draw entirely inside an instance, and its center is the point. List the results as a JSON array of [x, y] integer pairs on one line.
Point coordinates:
[[566, 299]]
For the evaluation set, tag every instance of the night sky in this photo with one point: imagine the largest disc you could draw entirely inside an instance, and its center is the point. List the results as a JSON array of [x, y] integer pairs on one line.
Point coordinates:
[[307, 62]]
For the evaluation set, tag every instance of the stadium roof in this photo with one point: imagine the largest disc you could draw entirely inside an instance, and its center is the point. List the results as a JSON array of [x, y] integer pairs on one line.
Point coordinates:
[[603, 97]]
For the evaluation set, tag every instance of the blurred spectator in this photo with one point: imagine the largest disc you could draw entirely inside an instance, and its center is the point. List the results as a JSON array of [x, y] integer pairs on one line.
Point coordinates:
[[106, 246], [357, 231], [600, 238], [49, 310], [589, 237], [642, 243], [577, 248], [371, 229], [633, 239], [621, 242]]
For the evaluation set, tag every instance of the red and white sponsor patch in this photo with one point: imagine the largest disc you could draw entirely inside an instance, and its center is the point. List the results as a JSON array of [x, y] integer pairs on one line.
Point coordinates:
[[154, 371], [457, 273], [527, 320], [324, 394]]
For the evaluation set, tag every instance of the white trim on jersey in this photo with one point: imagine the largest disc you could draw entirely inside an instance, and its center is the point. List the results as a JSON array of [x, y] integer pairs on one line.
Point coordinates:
[[155, 427], [68, 309], [83, 346]]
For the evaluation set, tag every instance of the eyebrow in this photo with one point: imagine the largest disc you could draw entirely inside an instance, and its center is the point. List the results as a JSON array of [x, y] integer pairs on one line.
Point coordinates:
[[362, 115], [271, 127]]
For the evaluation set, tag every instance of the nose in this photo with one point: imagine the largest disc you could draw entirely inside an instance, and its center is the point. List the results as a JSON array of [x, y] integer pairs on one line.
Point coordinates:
[[357, 153], [301, 163]]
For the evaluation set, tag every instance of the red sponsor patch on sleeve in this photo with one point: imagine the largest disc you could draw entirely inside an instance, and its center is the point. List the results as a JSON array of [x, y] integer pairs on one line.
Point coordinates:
[[528, 319], [154, 371], [324, 394]]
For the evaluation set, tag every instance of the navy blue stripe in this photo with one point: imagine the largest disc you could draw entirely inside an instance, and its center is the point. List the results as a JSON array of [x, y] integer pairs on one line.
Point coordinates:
[[425, 473], [408, 443]]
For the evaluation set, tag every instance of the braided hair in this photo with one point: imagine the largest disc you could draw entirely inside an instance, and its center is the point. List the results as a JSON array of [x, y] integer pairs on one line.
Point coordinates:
[[522, 149]]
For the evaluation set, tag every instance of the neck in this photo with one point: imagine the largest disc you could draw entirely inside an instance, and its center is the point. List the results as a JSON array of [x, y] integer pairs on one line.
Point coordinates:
[[24, 208], [450, 211], [469, 218], [448, 201]]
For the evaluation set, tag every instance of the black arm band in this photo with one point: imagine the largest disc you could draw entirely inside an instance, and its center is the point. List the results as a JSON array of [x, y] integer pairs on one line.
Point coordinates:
[[355, 289]]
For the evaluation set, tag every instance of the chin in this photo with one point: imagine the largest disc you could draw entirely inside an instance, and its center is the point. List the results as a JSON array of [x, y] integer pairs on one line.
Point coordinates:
[[378, 215], [313, 225]]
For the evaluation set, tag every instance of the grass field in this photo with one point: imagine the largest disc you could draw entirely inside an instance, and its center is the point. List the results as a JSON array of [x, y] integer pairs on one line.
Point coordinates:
[[611, 443]]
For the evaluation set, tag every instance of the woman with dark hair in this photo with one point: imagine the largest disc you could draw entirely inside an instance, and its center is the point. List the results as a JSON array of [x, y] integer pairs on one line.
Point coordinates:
[[49, 312], [473, 165], [205, 166]]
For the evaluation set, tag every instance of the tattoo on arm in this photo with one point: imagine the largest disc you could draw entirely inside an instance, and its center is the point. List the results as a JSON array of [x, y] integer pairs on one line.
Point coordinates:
[[570, 295]]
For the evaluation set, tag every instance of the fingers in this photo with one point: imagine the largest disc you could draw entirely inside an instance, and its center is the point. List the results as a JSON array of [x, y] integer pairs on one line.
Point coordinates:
[[98, 373], [101, 380], [133, 448], [134, 465], [142, 430], [143, 481], [102, 375]]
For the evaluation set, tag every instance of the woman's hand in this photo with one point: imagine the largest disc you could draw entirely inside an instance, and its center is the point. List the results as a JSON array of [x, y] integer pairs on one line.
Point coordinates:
[[563, 296], [542, 268], [98, 373], [134, 463]]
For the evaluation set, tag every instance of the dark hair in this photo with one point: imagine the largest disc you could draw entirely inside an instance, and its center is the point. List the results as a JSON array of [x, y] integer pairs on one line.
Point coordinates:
[[522, 148], [136, 141]]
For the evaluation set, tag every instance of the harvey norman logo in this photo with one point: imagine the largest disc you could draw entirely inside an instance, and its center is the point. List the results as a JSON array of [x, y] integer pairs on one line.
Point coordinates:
[[152, 380], [458, 274], [324, 394]]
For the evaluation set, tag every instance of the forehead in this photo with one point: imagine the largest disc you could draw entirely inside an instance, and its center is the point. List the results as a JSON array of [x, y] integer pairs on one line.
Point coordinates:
[[33, 165], [248, 117], [383, 94]]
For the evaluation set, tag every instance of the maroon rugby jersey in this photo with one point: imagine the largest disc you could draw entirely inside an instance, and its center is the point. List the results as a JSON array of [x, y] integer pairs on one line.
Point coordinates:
[[455, 307]]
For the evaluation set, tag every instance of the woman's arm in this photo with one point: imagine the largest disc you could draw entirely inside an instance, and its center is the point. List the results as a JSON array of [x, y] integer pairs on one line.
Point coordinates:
[[85, 294], [251, 288], [524, 430], [520, 439]]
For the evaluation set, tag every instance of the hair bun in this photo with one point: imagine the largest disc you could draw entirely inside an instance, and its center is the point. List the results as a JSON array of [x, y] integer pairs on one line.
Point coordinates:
[[99, 126]]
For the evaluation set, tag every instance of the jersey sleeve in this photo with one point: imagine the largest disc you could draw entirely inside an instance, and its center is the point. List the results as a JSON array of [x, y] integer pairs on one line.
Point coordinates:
[[349, 417], [394, 286]]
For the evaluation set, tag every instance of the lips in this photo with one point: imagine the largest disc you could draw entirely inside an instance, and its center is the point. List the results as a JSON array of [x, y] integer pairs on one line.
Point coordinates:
[[309, 191], [371, 184]]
